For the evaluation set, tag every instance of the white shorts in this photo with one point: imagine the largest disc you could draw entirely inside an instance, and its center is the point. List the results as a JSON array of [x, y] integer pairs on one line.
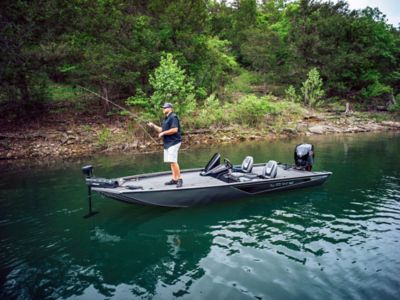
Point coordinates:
[[171, 154]]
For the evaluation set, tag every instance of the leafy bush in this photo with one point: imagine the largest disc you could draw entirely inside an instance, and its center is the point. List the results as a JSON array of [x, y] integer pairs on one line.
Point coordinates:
[[312, 88], [396, 106], [243, 82], [376, 89], [170, 84], [291, 95], [104, 137], [212, 113], [140, 99], [250, 109]]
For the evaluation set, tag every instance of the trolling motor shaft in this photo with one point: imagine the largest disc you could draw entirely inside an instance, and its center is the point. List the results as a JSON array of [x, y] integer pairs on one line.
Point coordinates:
[[88, 172]]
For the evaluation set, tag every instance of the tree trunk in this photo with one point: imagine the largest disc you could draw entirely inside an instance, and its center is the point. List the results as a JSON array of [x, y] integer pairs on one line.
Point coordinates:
[[23, 87], [348, 110], [391, 101]]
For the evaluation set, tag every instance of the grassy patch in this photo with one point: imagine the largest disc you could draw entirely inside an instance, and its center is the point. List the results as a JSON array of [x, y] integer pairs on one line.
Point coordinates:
[[62, 92], [104, 137], [249, 110], [243, 82]]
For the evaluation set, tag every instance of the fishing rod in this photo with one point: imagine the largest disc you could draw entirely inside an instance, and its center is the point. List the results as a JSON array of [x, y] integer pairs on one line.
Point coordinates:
[[135, 117]]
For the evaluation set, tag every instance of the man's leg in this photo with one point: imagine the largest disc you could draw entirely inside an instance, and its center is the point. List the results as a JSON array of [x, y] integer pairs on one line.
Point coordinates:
[[173, 171], [176, 172]]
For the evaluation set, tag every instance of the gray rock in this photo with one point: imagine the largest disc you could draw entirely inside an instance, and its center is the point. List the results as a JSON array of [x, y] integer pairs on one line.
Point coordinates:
[[391, 124], [301, 127], [317, 129]]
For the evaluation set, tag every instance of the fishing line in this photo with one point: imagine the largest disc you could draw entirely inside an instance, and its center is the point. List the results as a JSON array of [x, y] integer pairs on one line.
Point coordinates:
[[135, 117]]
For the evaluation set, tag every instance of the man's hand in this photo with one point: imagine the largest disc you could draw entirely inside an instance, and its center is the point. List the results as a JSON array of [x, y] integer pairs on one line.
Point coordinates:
[[150, 124], [161, 134]]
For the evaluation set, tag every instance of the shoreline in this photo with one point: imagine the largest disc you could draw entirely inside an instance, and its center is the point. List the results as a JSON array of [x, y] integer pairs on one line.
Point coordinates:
[[71, 140]]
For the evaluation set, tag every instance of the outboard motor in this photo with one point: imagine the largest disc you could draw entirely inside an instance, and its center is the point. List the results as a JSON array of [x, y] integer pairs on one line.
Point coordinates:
[[304, 156]]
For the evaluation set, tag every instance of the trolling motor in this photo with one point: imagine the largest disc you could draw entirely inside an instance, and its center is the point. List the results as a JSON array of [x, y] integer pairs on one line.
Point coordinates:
[[304, 156], [88, 172], [92, 181]]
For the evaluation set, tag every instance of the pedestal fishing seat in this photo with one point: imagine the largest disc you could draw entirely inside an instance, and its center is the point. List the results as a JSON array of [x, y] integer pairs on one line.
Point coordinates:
[[244, 173], [270, 169]]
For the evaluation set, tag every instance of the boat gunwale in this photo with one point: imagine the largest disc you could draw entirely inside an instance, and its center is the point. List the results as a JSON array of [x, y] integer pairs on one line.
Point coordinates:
[[147, 175], [185, 188]]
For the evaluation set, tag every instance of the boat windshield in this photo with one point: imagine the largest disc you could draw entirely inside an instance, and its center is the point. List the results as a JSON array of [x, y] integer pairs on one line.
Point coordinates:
[[213, 162]]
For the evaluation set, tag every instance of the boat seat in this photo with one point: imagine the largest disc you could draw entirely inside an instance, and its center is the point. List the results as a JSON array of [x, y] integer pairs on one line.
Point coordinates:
[[244, 171], [270, 169]]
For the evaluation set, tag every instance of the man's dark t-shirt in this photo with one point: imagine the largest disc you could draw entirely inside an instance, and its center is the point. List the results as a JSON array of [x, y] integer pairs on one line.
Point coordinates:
[[171, 121]]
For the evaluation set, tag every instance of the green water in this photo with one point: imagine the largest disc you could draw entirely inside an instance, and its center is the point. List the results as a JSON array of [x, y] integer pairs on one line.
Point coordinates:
[[336, 241]]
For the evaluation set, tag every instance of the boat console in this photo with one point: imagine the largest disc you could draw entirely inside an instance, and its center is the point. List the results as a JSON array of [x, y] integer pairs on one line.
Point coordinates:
[[229, 173], [215, 169], [212, 164]]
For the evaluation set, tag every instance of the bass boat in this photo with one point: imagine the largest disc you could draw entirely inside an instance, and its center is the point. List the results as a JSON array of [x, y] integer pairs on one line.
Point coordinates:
[[216, 182]]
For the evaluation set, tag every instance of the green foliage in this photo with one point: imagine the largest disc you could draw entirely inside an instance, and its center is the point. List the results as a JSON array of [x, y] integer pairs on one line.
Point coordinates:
[[211, 114], [23, 69], [243, 82], [311, 89], [104, 137], [376, 89], [291, 95], [249, 111], [63, 92], [218, 64], [265, 46], [395, 108], [139, 99], [171, 84], [351, 49], [114, 47]]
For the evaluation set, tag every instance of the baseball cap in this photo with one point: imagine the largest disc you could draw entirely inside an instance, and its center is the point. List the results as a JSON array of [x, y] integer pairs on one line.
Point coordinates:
[[167, 105]]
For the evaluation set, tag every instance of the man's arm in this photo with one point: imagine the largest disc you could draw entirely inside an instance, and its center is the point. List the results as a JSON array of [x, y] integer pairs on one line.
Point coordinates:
[[174, 128], [168, 132], [156, 128]]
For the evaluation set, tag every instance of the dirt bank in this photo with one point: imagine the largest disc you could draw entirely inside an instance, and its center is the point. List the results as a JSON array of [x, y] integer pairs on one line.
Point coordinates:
[[66, 135]]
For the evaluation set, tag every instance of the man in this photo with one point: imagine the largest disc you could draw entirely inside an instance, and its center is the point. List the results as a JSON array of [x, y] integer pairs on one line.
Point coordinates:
[[171, 134]]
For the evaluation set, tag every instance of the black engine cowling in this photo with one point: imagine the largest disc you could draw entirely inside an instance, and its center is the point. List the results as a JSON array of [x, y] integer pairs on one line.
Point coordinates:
[[304, 156]]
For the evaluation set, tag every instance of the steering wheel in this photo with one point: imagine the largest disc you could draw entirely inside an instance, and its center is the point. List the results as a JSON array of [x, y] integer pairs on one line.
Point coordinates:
[[228, 163]]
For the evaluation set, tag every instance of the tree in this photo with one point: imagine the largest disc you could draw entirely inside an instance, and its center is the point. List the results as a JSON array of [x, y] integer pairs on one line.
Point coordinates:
[[26, 28], [114, 50], [170, 84], [217, 65], [312, 88], [356, 52]]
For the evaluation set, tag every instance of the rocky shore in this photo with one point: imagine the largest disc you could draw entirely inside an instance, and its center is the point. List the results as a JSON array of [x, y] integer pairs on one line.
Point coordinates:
[[66, 139]]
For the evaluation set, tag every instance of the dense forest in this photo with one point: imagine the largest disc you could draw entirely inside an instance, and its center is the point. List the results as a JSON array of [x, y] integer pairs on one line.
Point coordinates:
[[198, 53]]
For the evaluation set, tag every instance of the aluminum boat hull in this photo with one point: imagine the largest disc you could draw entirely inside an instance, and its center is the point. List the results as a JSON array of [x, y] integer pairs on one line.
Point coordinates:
[[200, 190]]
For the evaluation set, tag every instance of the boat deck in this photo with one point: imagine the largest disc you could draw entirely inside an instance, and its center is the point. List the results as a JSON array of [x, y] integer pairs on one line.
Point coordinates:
[[192, 178]]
